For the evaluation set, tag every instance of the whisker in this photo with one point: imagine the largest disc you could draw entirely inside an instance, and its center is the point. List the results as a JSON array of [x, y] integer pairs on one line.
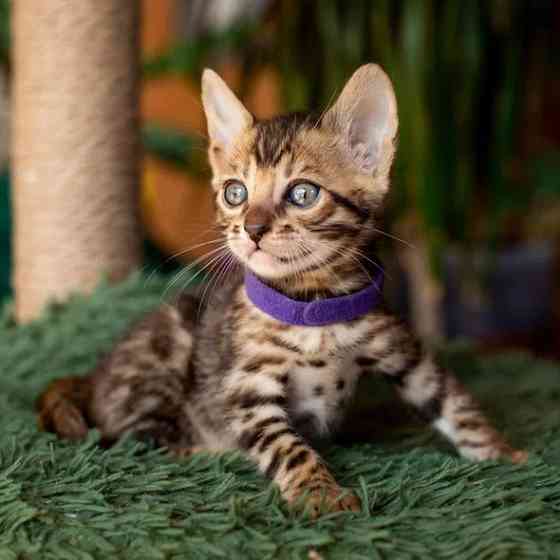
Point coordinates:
[[185, 270], [327, 107], [394, 237], [361, 254], [221, 274], [358, 254], [323, 264], [354, 254], [215, 270], [174, 256], [294, 250], [200, 232], [204, 269], [197, 246]]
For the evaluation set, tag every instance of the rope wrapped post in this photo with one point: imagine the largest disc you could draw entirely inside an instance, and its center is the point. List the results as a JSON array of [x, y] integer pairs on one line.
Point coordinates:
[[75, 147]]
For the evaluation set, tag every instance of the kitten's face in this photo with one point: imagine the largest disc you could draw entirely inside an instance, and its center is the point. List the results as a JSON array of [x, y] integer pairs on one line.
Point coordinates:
[[296, 195]]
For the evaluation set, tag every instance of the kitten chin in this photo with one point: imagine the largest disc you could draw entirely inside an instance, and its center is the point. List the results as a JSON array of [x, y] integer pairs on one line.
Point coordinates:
[[264, 264]]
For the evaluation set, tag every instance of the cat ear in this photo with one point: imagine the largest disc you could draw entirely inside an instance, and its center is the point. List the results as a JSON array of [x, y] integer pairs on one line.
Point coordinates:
[[365, 115], [226, 116]]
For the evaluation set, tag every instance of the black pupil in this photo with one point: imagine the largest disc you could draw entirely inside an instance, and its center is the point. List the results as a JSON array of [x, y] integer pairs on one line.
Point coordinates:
[[235, 194], [303, 195]]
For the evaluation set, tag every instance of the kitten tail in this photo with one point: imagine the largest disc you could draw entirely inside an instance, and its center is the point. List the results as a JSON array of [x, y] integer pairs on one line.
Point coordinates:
[[63, 407]]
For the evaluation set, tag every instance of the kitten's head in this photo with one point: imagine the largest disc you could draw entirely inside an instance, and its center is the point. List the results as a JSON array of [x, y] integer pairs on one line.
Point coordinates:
[[298, 195]]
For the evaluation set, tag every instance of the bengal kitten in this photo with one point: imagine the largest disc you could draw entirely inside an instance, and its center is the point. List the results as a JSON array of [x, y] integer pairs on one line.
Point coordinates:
[[298, 200]]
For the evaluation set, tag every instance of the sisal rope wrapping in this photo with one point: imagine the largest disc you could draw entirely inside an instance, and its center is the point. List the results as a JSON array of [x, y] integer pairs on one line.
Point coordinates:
[[75, 147]]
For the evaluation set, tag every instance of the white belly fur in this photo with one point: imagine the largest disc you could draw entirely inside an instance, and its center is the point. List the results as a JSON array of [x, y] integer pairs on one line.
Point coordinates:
[[334, 346], [323, 393]]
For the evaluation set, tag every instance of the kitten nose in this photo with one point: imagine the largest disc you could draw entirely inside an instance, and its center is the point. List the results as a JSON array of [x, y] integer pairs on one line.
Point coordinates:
[[256, 231], [257, 223]]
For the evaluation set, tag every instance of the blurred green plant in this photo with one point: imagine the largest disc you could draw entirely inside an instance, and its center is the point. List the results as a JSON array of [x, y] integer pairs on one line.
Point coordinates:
[[464, 72], [182, 150], [189, 58], [461, 72], [5, 33]]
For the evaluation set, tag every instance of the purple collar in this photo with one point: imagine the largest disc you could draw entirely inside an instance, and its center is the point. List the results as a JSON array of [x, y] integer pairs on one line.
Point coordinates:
[[313, 313]]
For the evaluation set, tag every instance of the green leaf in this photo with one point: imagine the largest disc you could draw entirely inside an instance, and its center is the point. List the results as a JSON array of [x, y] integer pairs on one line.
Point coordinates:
[[178, 148]]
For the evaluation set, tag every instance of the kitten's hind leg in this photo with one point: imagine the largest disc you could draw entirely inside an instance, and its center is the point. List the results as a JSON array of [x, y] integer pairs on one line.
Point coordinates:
[[142, 386], [139, 388]]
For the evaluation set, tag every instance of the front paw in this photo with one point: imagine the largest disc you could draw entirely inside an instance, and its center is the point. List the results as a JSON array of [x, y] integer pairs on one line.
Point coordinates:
[[316, 500], [517, 456], [508, 453]]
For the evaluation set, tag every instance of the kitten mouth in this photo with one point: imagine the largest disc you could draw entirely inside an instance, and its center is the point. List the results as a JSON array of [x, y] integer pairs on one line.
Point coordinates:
[[261, 260], [259, 251]]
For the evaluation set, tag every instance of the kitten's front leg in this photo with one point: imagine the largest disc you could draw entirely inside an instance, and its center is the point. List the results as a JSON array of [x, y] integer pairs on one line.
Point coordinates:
[[434, 392], [257, 411]]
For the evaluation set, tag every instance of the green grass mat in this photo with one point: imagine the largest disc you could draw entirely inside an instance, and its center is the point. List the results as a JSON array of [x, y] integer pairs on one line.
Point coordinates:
[[67, 501]]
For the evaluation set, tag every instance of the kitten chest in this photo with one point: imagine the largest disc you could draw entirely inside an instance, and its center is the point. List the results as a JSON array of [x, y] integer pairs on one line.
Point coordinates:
[[323, 378]]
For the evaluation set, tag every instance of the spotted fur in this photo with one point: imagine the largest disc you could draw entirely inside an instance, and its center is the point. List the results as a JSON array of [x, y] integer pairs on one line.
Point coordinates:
[[233, 377]]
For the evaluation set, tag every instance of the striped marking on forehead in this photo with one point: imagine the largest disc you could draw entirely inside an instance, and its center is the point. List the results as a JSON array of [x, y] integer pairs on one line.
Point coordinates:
[[275, 137]]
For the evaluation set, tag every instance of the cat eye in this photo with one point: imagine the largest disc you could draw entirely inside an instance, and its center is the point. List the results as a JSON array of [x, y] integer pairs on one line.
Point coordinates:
[[303, 194], [235, 193]]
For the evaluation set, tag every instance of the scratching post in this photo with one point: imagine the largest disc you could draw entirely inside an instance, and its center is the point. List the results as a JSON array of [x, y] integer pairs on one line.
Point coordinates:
[[75, 147]]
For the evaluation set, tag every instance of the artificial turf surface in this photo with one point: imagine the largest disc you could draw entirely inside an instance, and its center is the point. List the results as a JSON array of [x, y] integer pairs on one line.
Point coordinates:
[[63, 500]]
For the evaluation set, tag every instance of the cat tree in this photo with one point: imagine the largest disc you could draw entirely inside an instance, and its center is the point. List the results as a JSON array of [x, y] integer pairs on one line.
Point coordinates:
[[75, 147]]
